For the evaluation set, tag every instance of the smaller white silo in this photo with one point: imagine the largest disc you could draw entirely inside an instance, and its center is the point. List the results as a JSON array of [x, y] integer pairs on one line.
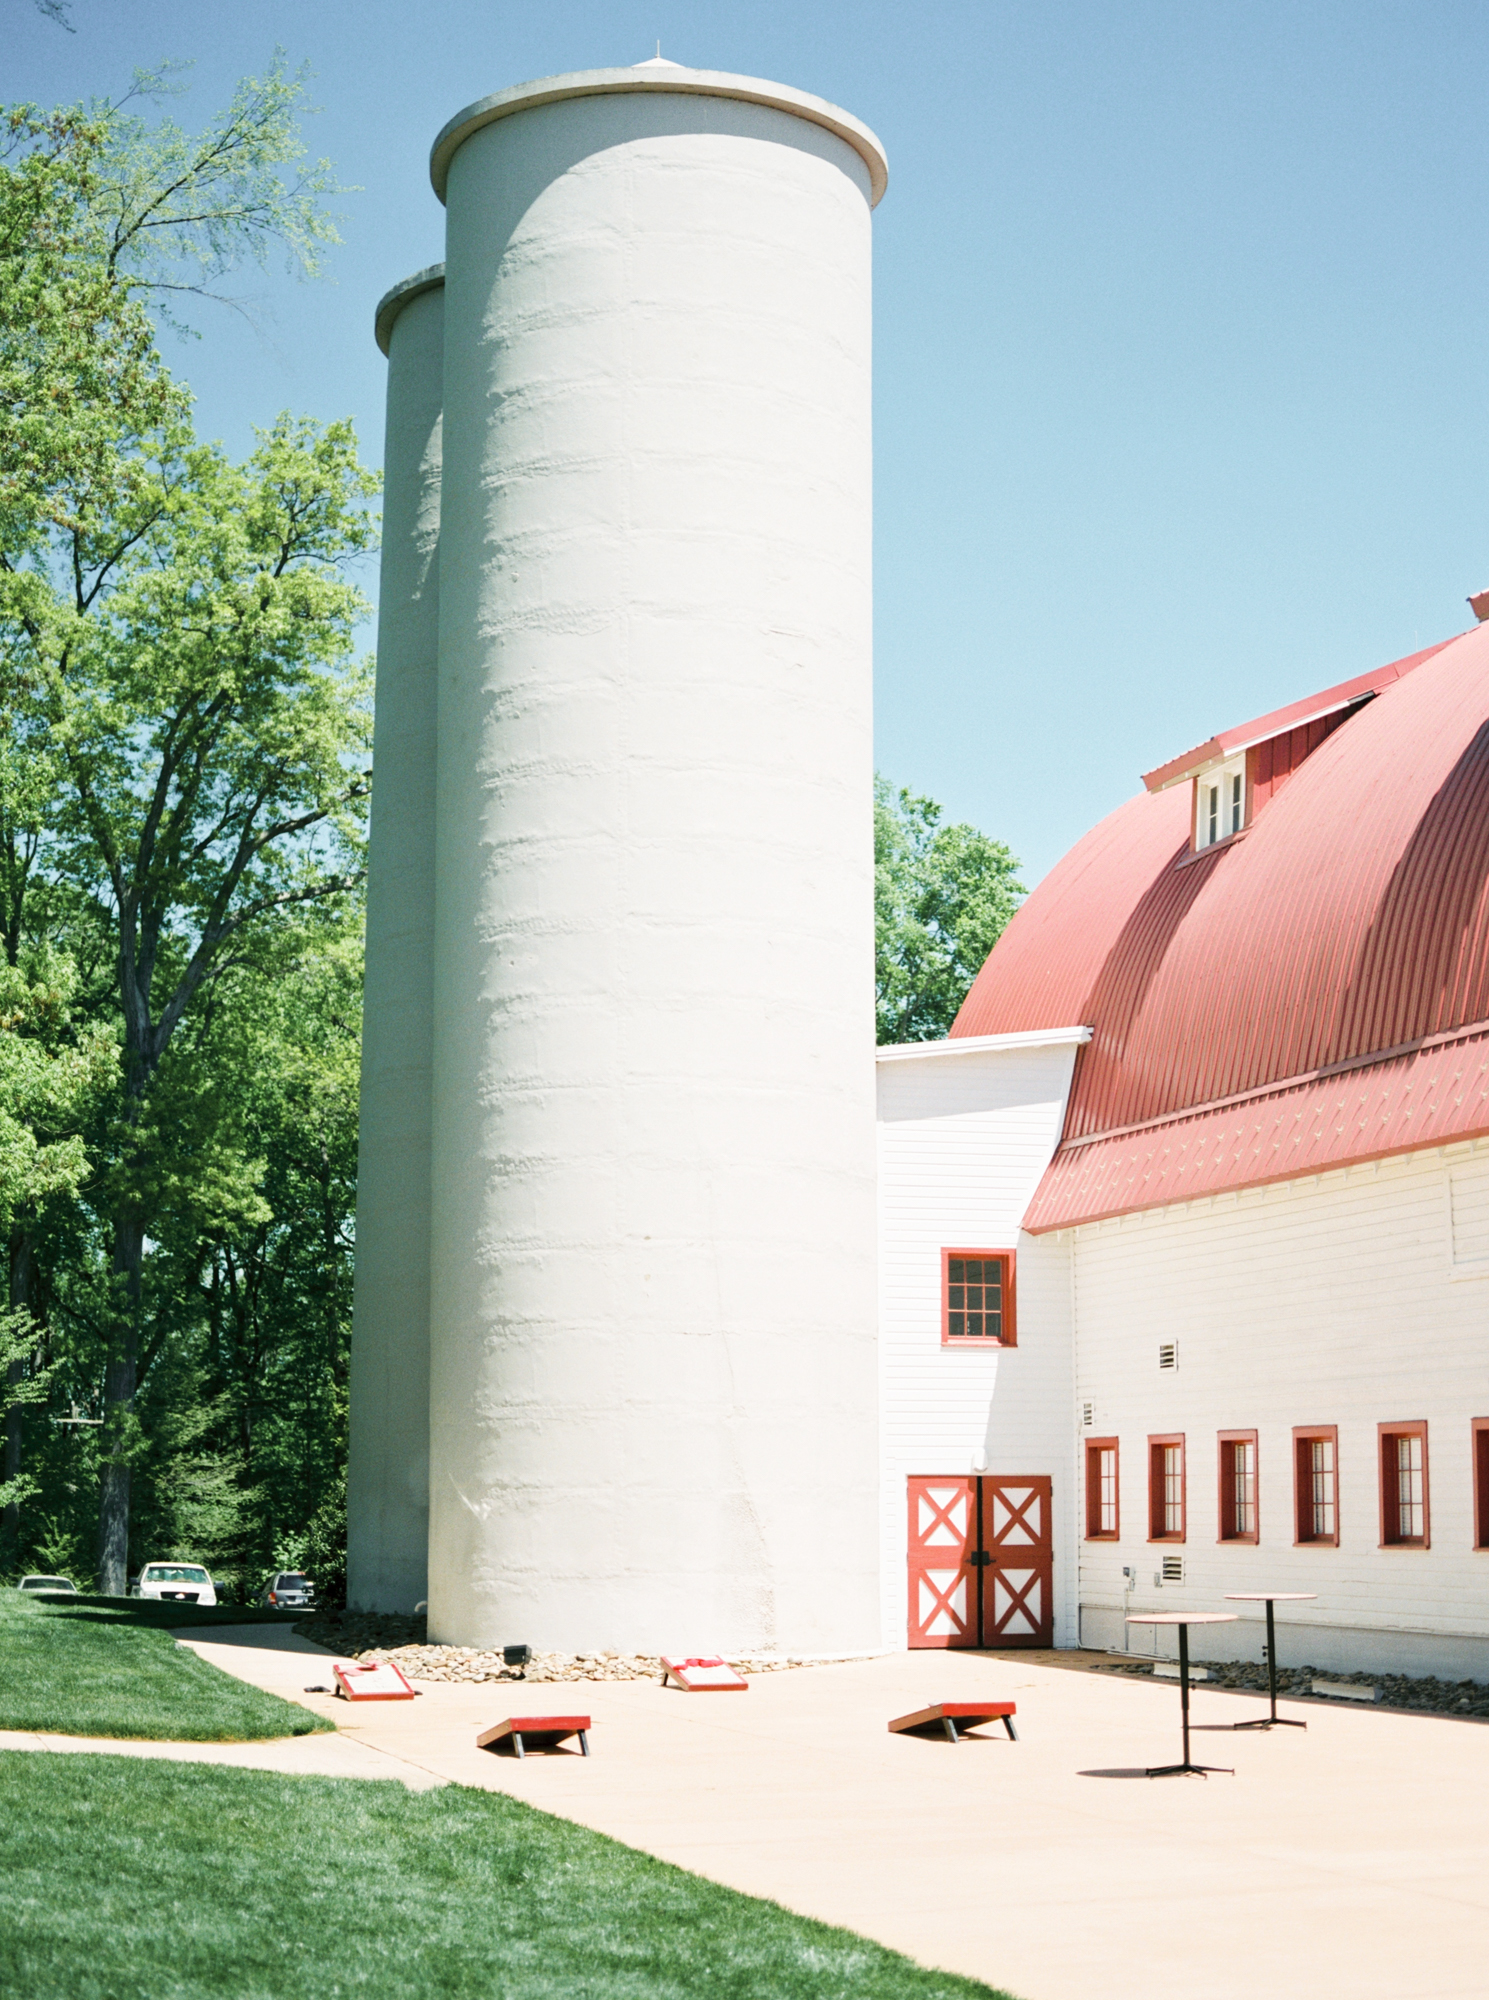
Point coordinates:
[[388, 1471]]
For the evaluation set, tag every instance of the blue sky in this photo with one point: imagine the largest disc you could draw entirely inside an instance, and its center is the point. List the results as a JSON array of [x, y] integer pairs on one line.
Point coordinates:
[[1181, 329]]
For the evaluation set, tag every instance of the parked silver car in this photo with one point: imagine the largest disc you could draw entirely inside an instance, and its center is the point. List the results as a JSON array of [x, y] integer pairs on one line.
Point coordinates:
[[60, 1583], [287, 1590]]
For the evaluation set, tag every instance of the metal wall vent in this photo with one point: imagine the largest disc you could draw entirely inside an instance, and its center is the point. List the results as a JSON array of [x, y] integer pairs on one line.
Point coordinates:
[[1168, 1353], [1173, 1569], [1088, 1415]]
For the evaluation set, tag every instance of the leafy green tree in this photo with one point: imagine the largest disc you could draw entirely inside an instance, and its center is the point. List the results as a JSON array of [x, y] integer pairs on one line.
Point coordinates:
[[942, 897], [189, 730]]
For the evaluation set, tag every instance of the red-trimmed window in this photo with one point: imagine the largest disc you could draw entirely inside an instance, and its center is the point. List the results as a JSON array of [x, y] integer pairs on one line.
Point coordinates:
[[1166, 1488], [1103, 1509], [977, 1298], [1316, 1483], [1238, 1490], [1480, 1435], [1404, 1520]]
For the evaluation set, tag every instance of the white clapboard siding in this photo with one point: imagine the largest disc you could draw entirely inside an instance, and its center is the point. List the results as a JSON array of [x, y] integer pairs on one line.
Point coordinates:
[[1357, 1298], [964, 1136]]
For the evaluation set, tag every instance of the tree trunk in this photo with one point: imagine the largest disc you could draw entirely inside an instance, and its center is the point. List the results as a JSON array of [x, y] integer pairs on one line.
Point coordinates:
[[118, 1408], [21, 1267]]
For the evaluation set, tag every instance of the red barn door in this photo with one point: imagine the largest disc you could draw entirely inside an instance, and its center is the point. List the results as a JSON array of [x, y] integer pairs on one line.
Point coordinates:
[[943, 1583], [981, 1561], [1018, 1602]]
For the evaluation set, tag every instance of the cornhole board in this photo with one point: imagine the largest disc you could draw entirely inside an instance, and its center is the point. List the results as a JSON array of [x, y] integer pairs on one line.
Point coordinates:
[[370, 1680], [948, 1718], [544, 1732], [701, 1675]]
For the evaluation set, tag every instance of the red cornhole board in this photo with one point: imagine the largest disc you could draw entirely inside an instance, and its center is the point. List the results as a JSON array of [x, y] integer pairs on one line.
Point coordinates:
[[370, 1680], [544, 1732], [946, 1715], [702, 1675]]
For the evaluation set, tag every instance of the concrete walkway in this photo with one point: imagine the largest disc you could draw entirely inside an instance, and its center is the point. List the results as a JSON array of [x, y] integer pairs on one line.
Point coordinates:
[[1350, 1860]]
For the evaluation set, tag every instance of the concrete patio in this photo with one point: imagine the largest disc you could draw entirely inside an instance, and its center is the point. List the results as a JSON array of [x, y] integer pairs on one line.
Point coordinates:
[[1350, 1860]]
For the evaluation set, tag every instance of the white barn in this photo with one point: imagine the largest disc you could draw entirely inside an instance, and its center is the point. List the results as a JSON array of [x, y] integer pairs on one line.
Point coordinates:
[[1215, 1119]]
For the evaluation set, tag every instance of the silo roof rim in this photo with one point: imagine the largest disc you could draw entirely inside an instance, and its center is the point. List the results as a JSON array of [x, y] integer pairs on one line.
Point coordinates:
[[392, 302], [680, 82]]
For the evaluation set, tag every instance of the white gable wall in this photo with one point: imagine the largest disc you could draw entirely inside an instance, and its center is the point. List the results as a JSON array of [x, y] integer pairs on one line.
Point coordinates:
[[1358, 1298], [964, 1136]]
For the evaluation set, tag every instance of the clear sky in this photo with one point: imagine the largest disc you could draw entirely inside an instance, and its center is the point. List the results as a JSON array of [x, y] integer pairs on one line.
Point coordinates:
[[1182, 314]]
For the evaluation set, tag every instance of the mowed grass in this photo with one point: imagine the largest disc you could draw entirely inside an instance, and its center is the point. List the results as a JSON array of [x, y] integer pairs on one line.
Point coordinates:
[[132, 1880], [110, 1669]]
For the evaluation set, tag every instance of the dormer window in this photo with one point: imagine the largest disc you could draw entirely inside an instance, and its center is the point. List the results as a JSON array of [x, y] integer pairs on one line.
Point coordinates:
[[1219, 803]]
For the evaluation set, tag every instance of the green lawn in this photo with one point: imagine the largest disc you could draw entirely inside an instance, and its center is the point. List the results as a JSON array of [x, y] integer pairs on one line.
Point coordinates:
[[132, 1880], [108, 1668]]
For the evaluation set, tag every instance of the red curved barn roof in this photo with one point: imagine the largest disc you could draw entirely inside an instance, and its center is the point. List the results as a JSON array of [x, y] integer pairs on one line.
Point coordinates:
[[1313, 992]]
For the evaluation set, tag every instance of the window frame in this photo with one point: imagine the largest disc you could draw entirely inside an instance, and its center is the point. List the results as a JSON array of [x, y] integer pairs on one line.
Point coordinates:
[[1385, 1455], [1308, 1434], [1009, 1335], [1226, 1482], [1158, 1443], [1096, 1533], [1224, 776], [1478, 1432]]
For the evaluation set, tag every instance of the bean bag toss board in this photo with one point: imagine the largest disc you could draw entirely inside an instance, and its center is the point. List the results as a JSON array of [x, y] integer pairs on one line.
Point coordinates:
[[951, 1718], [370, 1680], [542, 1732], [704, 1675]]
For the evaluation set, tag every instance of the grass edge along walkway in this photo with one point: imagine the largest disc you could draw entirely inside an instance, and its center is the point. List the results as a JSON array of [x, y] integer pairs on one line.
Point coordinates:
[[127, 1879], [70, 1670]]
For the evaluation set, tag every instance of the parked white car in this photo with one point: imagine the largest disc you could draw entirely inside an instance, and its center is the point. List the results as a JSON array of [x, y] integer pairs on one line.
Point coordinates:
[[175, 1583], [61, 1583], [287, 1590]]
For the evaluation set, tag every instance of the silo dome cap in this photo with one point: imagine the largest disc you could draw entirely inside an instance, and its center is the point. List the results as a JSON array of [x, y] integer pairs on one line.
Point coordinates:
[[392, 302], [659, 75]]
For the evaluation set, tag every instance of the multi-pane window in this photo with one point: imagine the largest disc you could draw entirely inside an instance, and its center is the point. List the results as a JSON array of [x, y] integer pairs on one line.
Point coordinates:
[[977, 1297], [1102, 1518], [1238, 1486], [1315, 1476], [1219, 804], [1166, 1489], [1403, 1485]]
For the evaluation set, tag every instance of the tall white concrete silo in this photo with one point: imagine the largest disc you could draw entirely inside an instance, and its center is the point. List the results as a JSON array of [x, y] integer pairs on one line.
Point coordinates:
[[388, 1472], [653, 1349]]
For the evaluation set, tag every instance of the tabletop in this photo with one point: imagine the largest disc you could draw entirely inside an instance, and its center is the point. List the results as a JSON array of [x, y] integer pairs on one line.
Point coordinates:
[[1182, 1618], [1269, 1596]]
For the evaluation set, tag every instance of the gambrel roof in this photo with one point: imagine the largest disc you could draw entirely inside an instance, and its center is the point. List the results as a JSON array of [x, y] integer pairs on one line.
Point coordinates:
[[1310, 992]]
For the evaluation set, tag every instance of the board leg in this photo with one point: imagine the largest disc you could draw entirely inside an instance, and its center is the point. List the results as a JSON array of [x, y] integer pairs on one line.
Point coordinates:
[[1013, 1735], [950, 1727], [517, 1744], [584, 1742]]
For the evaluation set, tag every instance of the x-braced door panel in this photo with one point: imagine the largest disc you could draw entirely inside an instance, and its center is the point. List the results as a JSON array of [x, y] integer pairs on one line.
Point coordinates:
[[981, 1561], [1018, 1607], [943, 1583]]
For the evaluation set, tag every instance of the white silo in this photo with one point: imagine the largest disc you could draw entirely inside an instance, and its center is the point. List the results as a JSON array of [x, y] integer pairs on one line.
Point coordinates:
[[388, 1470], [653, 1348]]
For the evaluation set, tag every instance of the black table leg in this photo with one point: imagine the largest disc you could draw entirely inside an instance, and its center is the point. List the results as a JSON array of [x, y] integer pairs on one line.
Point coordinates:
[[1186, 1769], [1272, 1720]]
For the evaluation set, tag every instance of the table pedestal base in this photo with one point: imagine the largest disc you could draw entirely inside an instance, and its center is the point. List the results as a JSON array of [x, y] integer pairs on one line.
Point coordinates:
[[1270, 1722], [1274, 1720], [1189, 1770]]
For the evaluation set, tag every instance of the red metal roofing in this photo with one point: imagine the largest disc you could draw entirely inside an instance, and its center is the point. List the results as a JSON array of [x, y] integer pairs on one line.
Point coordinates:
[[1294, 716], [1259, 1011]]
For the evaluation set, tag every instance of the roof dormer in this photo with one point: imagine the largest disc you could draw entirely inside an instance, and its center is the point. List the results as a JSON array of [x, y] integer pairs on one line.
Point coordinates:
[[1239, 770]]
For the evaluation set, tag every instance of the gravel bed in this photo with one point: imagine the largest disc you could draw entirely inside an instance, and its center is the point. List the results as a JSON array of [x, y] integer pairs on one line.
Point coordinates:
[[1394, 1690], [359, 1635]]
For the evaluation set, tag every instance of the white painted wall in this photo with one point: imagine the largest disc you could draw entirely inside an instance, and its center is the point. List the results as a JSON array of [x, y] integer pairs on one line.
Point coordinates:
[[965, 1131], [388, 1469], [653, 1338], [1342, 1300]]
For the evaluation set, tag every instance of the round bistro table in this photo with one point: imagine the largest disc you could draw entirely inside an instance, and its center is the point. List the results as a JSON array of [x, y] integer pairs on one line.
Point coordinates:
[[1269, 1598], [1184, 1619]]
